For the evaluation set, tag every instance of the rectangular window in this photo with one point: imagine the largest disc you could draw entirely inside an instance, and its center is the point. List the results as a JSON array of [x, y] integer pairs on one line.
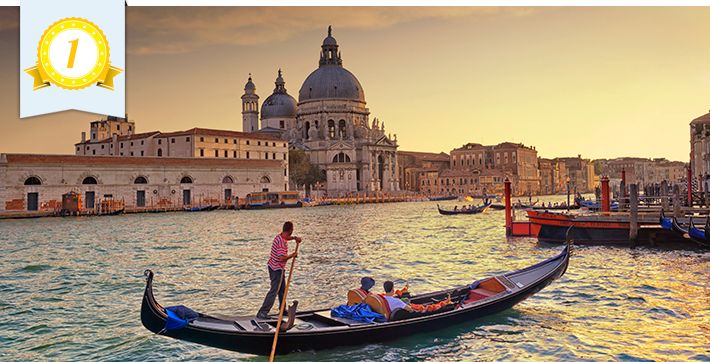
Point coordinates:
[[281, 124], [112, 145], [78, 148], [131, 143], [131, 153], [274, 144], [87, 148], [187, 139], [258, 143], [216, 153], [225, 153], [118, 127], [266, 155], [225, 141], [141, 153], [102, 147], [202, 139], [247, 142], [93, 152], [216, 140], [121, 144], [172, 140], [273, 156], [284, 156], [160, 141], [141, 143], [93, 135], [235, 141], [247, 154], [235, 154], [202, 153]]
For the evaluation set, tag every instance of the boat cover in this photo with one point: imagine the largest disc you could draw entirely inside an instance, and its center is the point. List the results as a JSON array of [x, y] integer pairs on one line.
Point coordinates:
[[179, 316], [360, 312]]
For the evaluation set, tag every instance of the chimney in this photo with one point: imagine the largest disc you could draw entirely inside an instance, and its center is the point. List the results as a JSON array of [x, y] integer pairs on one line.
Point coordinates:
[[83, 137]]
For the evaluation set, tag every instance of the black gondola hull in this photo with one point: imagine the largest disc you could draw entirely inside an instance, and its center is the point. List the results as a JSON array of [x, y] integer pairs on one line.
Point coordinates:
[[153, 318]]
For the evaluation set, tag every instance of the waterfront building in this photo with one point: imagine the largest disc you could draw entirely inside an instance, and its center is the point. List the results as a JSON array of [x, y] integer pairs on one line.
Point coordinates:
[[700, 149], [553, 176], [644, 171], [580, 173], [331, 124], [37, 182], [413, 167], [474, 182], [516, 160]]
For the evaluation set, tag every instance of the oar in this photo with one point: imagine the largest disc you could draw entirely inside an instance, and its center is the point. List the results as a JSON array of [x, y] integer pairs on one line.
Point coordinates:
[[281, 312]]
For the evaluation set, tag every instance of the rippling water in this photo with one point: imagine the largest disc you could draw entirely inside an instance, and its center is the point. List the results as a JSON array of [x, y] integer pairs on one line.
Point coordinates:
[[71, 288]]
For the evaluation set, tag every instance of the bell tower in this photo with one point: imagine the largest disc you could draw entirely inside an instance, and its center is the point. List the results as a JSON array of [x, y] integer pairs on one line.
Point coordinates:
[[250, 108]]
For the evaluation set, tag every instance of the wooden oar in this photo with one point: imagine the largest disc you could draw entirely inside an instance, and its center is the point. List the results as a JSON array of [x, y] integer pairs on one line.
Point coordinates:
[[283, 304]]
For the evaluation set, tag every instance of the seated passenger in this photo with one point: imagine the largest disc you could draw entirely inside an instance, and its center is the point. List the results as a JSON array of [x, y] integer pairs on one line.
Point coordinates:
[[358, 295], [394, 303]]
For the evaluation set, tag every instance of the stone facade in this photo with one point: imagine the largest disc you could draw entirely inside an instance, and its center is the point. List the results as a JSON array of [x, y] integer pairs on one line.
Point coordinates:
[[168, 181], [413, 165], [513, 159], [332, 126]]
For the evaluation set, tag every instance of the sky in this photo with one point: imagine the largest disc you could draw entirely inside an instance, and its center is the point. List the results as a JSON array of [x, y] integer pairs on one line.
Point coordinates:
[[600, 82]]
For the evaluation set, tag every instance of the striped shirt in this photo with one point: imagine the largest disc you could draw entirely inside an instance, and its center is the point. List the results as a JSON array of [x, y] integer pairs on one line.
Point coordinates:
[[279, 247]]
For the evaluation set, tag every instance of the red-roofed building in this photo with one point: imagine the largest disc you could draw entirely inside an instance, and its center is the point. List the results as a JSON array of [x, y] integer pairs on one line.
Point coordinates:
[[414, 167]]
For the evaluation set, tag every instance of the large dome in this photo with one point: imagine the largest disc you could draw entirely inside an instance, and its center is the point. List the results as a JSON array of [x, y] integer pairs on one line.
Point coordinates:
[[331, 81], [280, 103]]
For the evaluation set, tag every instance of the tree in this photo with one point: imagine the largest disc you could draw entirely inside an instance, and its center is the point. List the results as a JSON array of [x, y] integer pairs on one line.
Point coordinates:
[[301, 171]]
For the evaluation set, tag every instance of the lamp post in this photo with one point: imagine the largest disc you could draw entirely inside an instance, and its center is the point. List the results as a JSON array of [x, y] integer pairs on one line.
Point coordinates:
[[568, 194]]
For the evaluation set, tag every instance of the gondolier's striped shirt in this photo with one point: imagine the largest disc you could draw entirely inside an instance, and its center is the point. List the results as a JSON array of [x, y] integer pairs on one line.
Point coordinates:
[[279, 247]]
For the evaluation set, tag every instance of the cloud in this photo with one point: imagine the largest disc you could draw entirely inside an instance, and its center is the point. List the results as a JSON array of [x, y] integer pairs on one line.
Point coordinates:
[[171, 30], [9, 17]]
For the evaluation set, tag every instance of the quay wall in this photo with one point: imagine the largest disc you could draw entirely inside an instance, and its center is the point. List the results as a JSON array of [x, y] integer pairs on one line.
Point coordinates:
[[117, 176]]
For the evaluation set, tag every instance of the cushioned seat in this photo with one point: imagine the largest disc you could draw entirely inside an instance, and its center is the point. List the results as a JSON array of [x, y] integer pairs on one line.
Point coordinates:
[[356, 296], [379, 304]]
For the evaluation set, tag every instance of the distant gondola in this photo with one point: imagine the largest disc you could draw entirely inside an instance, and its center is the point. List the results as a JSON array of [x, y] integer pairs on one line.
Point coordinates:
[[443, 198], [476, 210], [201, 208], [322, 331]]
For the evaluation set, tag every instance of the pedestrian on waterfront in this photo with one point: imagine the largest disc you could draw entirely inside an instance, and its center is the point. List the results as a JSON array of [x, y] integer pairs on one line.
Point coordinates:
[[276, 265]]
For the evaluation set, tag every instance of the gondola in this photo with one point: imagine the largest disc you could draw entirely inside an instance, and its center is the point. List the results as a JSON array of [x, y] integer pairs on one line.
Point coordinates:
[[476, 210], [200, 208], [443, 198], [691, 232], [317, 329]]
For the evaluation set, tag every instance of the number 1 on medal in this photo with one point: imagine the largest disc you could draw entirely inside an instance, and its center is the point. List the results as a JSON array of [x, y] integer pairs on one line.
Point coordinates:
[[72, 53]]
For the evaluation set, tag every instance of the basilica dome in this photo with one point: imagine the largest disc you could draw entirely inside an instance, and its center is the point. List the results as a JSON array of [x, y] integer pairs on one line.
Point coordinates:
[[331, 80], [279, 104]]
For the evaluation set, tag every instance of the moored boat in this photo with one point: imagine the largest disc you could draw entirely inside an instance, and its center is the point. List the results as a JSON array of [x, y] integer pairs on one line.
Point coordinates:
[[323, 331], [270, 200], [691, 232]]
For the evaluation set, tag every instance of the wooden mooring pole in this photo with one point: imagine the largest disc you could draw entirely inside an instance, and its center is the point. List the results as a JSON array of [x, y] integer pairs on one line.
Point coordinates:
[[676, 201], [664, 195], [634, 214]]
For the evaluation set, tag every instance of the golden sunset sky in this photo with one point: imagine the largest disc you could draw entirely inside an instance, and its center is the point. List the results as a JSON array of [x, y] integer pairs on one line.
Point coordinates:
[[602, 82]]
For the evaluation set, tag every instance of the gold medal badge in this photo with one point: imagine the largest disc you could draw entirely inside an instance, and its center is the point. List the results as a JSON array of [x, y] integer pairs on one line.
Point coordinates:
[[73, 53]]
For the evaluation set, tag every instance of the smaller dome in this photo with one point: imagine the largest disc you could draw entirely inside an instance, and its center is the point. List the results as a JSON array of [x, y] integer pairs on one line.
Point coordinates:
[[249, 86], [279, 105], [330, 41]]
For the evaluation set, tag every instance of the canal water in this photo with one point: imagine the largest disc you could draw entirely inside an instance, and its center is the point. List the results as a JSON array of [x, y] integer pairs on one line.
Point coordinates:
[[71, 288]]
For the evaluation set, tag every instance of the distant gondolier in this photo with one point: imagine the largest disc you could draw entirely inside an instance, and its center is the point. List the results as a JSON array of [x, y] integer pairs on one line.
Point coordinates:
[[277, 262]]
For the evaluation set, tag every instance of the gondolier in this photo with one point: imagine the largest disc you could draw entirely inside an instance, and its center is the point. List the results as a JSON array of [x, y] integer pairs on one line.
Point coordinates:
[[277, 262]]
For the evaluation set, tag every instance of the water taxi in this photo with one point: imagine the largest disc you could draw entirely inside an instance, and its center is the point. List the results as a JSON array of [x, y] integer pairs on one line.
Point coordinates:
[[267, 200]]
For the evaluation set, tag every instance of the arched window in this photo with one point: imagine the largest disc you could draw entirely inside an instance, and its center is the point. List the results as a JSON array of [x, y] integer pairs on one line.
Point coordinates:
[[331, 128], [140, 180], [33, 181], [186, 180], [89, 181], [227, 180], [341, 128], [308, 126], [341, 157], [265, 180], [160, 152]]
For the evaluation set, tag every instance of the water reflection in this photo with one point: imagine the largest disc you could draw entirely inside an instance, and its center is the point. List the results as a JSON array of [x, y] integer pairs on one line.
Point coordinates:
[[71, 288]]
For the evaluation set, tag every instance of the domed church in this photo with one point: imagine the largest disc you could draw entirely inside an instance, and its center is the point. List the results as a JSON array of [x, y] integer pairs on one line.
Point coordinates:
[[330, 122]]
